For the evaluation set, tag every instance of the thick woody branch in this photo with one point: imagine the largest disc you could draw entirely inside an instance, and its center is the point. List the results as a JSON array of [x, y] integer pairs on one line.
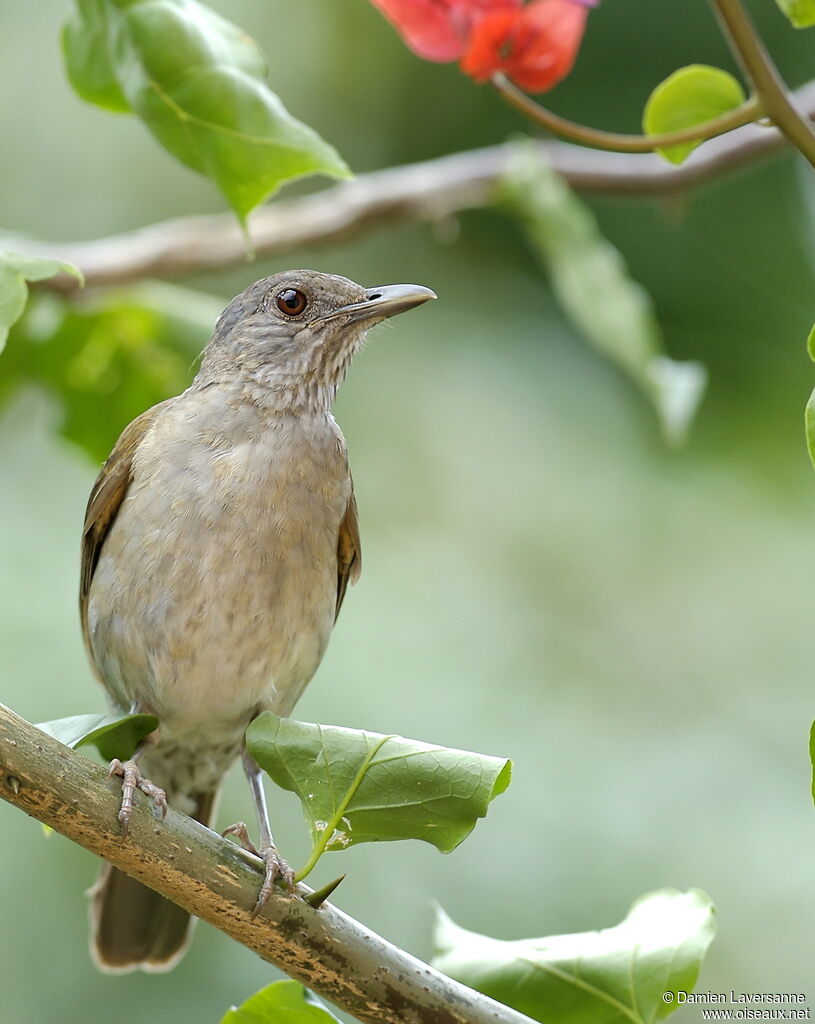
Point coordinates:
[[215, 880], [423, 192]]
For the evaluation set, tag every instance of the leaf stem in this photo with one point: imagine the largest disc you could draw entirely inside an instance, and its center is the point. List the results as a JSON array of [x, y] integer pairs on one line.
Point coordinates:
[[749, 50], [749, 111], [327, 833]]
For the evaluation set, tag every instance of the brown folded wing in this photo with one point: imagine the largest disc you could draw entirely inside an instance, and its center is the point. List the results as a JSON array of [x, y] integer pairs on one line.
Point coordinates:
[[349, 550], [106, 498]]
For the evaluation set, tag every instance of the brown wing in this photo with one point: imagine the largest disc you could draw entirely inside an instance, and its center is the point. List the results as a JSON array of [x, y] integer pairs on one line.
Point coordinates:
[[106, 497], [349, 550]]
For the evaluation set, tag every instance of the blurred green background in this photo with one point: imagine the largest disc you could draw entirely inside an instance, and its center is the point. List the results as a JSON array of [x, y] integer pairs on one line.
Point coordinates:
[[543, 579]]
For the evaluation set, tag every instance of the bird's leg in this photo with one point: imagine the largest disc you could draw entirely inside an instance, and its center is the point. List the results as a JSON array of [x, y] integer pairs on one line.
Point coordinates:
[[276, 867], [132, 779]]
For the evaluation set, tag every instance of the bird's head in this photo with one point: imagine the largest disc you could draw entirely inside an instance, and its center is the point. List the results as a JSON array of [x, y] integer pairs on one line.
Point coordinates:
[[295, 333]]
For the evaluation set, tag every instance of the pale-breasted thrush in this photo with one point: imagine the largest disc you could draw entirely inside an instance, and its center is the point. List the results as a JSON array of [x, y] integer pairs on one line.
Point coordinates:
[[219, 540]]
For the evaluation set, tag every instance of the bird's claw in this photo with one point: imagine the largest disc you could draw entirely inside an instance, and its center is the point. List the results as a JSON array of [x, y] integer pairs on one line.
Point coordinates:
[[132, 779], [241, 833], [276, 868]]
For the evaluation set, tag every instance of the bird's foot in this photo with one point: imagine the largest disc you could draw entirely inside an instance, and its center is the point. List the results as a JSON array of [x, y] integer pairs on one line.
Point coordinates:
[[132, 779], [276, 868]]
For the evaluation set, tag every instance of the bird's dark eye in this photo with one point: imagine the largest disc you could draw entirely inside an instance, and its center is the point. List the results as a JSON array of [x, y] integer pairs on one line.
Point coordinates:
[[291, 302]]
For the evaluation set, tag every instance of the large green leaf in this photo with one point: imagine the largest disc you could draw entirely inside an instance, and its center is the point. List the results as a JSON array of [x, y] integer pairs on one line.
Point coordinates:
[[800, 12], [362, 787], [108, 357], [690, 96], [112, 735], [592, 283], [629, 974], [88, 60], [282, 1002], [199, 84], [16, 269]]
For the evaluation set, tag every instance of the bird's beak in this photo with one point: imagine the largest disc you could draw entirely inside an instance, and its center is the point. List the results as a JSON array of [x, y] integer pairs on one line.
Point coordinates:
[[387, 301]]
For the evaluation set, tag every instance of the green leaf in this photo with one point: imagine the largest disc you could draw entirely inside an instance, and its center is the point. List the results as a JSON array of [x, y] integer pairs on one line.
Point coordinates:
[[362, 787], [199, 84], [811, 343], [86, 49], [618, 976], [800, 12], [809, 422], [809, 415], [690, 96], [15, 270], [106, 358], [282, 1002], [591, 281], [812, 757], [112, 735]]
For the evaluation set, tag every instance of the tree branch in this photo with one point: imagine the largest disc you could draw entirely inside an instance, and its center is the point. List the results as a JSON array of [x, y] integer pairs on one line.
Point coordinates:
[[422, 192], [217, 881]]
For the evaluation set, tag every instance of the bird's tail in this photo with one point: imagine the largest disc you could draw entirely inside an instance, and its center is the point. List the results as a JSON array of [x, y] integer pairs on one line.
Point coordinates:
[[133, 927]]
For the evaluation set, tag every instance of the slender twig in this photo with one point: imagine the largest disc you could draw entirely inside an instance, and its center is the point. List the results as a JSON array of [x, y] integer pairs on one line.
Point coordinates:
[[771, 89], [217, 881], [749, 111], [427, 192]]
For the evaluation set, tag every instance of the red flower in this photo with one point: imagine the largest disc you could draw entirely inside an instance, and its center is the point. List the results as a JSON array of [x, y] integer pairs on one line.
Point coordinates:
[[438, 29], [535, 46]]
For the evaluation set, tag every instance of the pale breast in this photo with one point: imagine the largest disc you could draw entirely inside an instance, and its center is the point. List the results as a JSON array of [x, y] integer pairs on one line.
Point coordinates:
[[216, 587]]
